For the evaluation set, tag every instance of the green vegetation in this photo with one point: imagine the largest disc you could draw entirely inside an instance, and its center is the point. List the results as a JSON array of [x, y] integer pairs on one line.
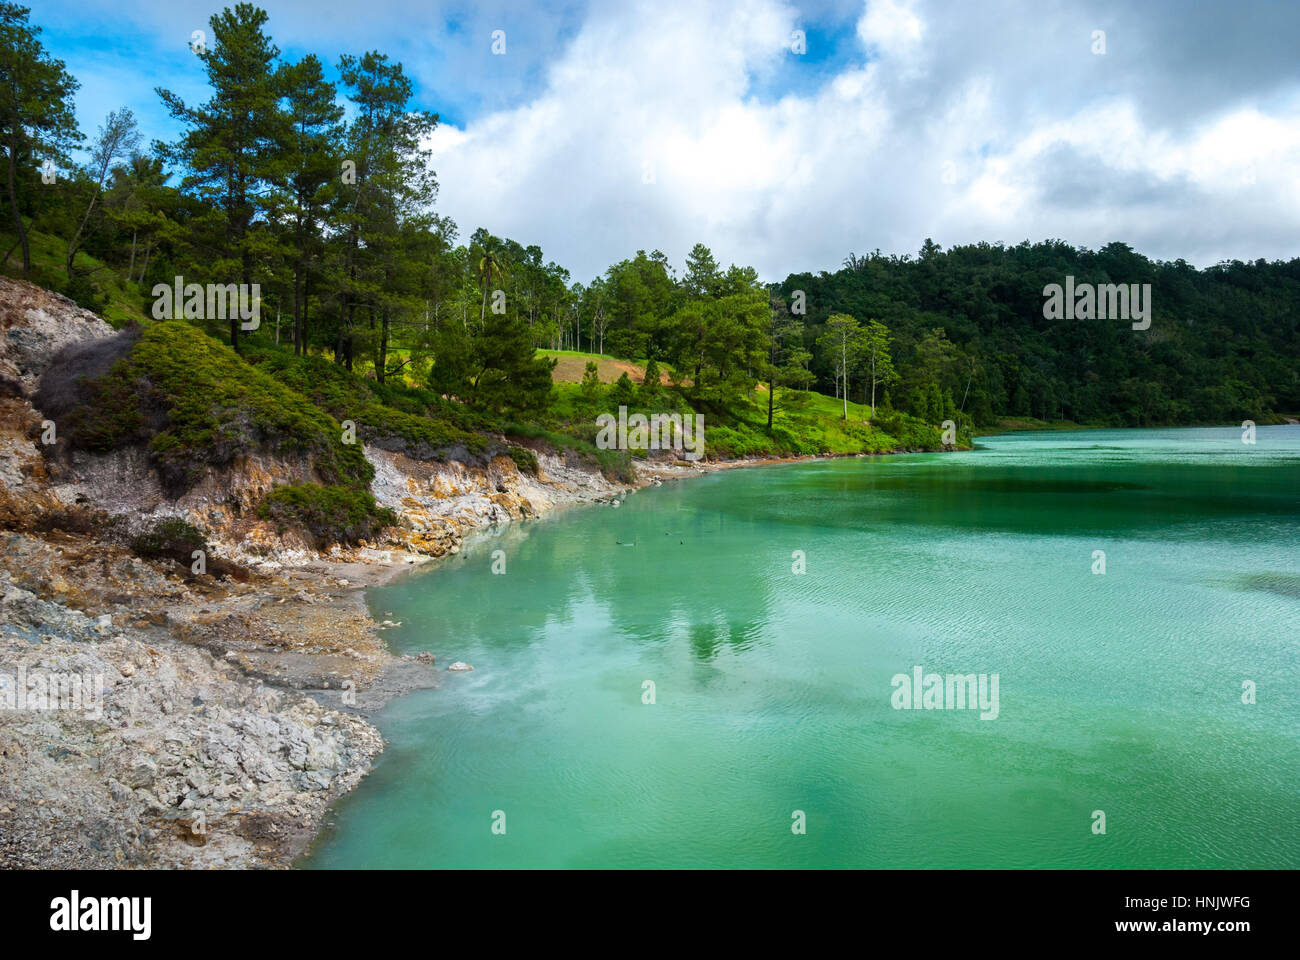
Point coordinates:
[[169, 537], [578, 441], [391, 415], [969, 321], [331, 513], [200, 406], [524, 459], [736, 426], [97, 287], [1012, 424], [37, 118]]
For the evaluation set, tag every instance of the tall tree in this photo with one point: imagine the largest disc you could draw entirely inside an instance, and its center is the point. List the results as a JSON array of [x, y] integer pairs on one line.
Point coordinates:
[[491, 263], [36, 112], [234, 147], [842, 344], [875, 350], [313, 168], [390, 199], [786, 358], [140, 201], [702, 277], [118, 139]]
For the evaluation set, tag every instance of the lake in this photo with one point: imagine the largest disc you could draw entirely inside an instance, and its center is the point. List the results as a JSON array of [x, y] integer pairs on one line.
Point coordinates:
[[775, 737]]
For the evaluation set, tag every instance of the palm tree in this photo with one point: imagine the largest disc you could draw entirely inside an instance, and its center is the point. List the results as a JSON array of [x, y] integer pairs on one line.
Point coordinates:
[[488, 263]]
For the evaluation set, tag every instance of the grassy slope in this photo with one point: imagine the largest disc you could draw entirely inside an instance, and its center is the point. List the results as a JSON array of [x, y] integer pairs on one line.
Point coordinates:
[[572, 365], [122, 299], [803, 422]]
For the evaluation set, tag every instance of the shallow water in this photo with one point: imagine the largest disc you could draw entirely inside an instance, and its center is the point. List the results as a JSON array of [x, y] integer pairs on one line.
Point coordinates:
[[1119, 692]]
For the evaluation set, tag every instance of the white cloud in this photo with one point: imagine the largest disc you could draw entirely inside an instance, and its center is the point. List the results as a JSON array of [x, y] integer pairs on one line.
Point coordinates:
[[890, 26], [858, 163]]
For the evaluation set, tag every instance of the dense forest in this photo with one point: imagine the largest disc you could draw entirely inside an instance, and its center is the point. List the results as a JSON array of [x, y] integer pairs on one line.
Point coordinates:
[[321, 191], [1223, 345]]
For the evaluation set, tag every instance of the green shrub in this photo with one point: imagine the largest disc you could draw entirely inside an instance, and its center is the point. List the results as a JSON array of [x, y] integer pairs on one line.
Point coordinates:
[[332, 514], [731, 443], [524, 459], [83, 292], [199, 406], [393, 416], [908, 432], [169, 537]]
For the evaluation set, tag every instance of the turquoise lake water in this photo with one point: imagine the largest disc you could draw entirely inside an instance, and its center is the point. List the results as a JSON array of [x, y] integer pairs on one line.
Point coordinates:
[[1118, 692]]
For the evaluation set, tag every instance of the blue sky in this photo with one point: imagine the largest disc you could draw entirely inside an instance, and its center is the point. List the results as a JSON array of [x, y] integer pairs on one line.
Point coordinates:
[[445, 48], [122, 51], [618, 125]]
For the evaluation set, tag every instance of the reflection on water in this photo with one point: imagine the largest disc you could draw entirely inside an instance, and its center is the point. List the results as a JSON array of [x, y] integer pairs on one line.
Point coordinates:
[[1119, 692]]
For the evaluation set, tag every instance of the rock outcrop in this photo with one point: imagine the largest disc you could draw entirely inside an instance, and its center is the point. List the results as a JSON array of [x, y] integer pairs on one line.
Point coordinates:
[[36, 324], [154, 754]]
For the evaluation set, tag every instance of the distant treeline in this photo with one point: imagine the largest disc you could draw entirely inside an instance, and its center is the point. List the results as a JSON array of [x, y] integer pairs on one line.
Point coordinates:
[[1223, 345]]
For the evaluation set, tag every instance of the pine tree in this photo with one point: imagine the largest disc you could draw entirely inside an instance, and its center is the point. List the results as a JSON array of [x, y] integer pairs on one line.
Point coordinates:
[[235, 145], [390, 199], [314, 172], [622, 393], [650, 383], [37, 122]]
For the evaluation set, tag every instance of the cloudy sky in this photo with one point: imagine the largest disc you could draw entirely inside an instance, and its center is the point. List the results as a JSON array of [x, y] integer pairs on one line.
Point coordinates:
[[612, 126]]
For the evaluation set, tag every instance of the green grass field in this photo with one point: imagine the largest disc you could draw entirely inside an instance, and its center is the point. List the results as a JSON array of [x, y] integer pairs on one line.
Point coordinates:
[[803, 422]]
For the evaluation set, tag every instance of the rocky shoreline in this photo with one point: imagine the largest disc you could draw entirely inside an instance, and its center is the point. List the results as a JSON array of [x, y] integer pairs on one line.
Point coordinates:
[[206, 719], [230, 714], [154, 717]]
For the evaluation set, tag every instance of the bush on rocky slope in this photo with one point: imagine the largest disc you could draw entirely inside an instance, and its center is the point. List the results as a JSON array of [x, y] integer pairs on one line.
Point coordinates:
[[196, 404], [332, 514], [396, 417]]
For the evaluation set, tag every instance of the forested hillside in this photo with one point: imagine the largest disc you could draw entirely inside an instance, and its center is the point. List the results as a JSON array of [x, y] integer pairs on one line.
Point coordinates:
[[1223, 345]]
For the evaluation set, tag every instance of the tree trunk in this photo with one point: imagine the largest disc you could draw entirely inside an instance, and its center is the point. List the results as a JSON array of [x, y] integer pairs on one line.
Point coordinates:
[[844, 369], [297, 313], [245, 275], [306, 307], [297, 286], [344, 318], [873, 386], [13, 202], [75, 242]]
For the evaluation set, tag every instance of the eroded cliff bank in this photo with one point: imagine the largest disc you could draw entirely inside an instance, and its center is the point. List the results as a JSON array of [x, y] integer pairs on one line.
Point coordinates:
[[152, 715]]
